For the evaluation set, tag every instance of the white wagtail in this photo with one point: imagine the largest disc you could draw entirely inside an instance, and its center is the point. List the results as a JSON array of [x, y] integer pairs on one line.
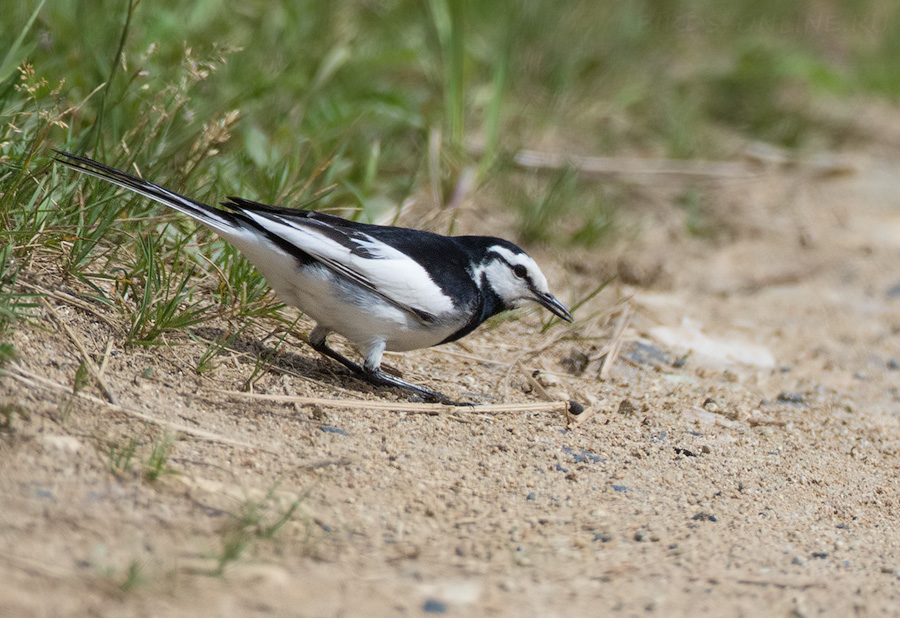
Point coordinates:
[[381, 287]]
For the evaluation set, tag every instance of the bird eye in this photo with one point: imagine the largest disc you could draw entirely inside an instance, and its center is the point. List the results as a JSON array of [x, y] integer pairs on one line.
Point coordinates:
[[520, 271]]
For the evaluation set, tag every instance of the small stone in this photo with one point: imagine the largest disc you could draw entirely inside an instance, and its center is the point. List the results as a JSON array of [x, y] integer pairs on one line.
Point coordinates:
[[334, 430], [576, 362], [795, 398], [703, 516], [546, 380], [626, 408], [433, 606]]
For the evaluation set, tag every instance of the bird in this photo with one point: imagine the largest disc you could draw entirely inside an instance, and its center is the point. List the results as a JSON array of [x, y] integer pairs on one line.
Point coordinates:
[[380, 287]]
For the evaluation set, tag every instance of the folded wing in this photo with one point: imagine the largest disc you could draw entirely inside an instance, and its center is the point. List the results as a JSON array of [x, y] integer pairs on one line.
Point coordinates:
[[359, 257]]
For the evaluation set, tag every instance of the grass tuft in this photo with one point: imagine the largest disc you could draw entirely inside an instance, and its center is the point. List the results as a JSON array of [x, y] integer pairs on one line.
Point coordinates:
[[254, 520], [163, 299], [120, 457], [156, 467]]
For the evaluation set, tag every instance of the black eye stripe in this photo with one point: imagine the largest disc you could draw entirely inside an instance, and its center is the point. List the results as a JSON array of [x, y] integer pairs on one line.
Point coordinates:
[[519, 270]]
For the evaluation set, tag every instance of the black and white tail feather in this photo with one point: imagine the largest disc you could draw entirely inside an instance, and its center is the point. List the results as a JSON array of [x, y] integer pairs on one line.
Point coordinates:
[[381, 287]]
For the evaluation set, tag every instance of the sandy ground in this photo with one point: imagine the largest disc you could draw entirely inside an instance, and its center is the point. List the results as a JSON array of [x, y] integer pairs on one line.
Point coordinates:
[[755, 476]]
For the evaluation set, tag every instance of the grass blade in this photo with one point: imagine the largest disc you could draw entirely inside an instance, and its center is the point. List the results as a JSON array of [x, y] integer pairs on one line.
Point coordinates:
[[16, 54]]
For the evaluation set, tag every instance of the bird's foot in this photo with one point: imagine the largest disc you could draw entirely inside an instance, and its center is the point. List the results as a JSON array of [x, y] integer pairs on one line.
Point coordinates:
[[378, 377]]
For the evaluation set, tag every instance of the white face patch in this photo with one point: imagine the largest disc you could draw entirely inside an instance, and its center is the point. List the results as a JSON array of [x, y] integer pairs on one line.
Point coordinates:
[[503, 272]]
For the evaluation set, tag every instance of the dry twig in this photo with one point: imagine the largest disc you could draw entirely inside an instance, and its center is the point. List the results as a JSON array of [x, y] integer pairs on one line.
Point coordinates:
[[88, 361], [615, 343], [68, 298], [417, 408]]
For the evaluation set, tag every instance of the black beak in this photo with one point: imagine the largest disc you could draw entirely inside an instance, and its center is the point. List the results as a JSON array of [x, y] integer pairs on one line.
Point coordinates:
[[554, 306]]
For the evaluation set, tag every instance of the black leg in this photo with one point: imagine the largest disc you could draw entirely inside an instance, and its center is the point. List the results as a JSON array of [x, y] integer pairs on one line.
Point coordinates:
[[379, 377], [322, 348]]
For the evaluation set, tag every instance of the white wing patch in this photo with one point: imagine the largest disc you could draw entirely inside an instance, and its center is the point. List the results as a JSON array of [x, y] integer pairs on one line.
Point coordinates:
[[367, 261]]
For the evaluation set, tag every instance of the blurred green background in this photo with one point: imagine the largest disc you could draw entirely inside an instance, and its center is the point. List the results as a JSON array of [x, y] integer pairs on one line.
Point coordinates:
[[363, 86], [388, 100]]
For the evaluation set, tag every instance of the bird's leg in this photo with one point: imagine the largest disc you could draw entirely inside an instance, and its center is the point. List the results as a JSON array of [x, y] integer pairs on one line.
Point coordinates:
[[317, 342], [381, 378], [377, 376], [371, 371]]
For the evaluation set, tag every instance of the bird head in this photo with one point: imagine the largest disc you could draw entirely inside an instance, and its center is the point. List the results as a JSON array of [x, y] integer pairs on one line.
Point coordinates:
[[515, 278]]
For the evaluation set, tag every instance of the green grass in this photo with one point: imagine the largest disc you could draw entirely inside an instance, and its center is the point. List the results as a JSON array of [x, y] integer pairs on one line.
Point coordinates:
[[360, 107], [158, 282], [157, 466], [133, 457], [253, 522], [9, 412], [120, 457], [207, 361], [125, 580]]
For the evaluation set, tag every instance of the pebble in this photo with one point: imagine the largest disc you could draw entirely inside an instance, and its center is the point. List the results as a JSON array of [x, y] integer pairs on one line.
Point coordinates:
[[582, 456], [547, 381], [433, 606], [796, 398], [703, 516], [626, 408], [335, 430], [641, 353]]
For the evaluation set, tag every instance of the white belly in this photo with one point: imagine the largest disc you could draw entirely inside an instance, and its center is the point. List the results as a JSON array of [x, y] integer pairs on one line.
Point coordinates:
[[362, 317]]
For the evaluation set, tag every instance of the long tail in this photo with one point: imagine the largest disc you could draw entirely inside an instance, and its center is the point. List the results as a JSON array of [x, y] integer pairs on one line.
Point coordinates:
[[222, 221]]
